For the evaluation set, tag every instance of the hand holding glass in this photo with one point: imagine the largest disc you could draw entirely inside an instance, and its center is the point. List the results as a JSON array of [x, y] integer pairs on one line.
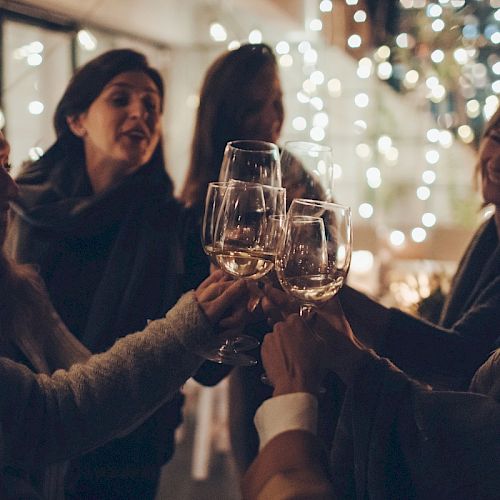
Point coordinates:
[[314, 254]]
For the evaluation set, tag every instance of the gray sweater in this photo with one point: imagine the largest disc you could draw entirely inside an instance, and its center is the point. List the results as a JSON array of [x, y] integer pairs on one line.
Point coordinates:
[[48, 419]]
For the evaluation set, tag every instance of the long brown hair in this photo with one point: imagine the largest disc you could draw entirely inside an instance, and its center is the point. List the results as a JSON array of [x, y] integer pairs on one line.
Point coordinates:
[[221, 113], [492, 123], [29, 324]]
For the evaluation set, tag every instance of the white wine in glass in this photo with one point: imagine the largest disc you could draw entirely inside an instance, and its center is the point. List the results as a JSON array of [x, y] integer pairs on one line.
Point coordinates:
[[314, 254], [230, 352]]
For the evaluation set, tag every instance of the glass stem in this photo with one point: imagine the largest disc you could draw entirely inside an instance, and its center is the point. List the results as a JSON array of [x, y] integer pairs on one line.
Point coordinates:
[[306, 310], [227, 347]]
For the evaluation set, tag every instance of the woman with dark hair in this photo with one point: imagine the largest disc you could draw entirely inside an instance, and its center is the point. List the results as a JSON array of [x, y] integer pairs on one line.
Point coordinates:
[[46, 418], [240, 98], [96, 215]]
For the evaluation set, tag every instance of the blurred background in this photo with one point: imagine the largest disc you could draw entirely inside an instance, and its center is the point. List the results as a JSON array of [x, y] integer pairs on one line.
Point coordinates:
[[400, 89]]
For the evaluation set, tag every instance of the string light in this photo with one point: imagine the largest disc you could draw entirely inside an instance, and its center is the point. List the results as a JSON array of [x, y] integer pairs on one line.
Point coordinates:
[[36, 107], [418, 234], [423, 193], [255, 36], [316, 25], [299, 123], [233, 45], [359, 16], [365, 210], [326, 6], [397, 238], [428, 219], [218, 32]]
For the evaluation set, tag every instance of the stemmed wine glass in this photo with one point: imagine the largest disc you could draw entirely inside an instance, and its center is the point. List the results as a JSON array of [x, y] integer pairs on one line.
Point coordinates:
[[314, 254], [307, 170], [228, 352], [247, 230], [213, 203], [253, 209], [251, 161]]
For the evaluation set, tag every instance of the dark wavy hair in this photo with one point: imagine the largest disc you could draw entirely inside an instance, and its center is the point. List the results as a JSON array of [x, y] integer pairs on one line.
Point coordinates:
[[86, 85], [221, 113]]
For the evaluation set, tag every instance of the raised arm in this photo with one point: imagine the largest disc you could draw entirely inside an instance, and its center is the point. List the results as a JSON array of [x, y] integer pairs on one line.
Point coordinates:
[[49, 418]]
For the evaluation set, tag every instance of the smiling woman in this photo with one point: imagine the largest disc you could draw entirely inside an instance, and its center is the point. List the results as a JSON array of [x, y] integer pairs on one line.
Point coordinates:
[[97, 216], [121, 129]]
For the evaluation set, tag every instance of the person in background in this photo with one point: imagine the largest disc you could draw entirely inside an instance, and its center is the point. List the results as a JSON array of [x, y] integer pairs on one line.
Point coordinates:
[[396, 438], [46, 418], [240, 98], [97, 217]]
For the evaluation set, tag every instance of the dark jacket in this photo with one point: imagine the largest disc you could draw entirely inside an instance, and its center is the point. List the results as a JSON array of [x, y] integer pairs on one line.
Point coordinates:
[[110, 262], [446, 355]]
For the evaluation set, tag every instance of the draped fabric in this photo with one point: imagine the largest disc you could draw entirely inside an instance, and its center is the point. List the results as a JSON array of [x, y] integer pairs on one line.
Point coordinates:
[[398, 439], [395, 439], [479, 265], [110, 262], [446, 355]]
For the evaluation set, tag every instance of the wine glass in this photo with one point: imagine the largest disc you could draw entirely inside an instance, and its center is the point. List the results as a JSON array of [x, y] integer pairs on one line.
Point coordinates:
[[314, 254], [307, 170], [251, 161], [229, 351], [248, 228], [213, 203]]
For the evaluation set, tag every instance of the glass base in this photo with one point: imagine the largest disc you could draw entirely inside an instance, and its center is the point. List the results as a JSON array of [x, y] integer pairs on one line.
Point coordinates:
[[244, 343], [227, 355]]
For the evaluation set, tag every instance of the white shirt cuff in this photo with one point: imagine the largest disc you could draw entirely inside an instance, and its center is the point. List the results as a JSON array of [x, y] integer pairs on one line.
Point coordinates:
[[298, 410]]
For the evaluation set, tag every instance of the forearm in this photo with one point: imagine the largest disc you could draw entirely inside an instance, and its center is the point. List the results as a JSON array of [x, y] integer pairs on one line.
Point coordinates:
[[424, 349], [368, 319], [53, 418], [292, 465]]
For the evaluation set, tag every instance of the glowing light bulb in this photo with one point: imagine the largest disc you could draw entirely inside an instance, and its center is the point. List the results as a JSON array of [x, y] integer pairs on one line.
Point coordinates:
[[359, 16], [282, 47], [316, 25], [365, 210], [299, 123], [429, 176], [418, 234], [218, 32], [428, 219], [361, 100], [36, 107], [255, 36], [354, 41], [423, 193], [335, 87], [397, 238]]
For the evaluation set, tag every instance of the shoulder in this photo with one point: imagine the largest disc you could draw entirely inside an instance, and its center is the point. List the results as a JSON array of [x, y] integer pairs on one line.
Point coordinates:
[[487, 378]]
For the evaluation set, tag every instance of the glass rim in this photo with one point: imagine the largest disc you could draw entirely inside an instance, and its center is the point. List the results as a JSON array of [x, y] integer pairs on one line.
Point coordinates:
[[265, 147], [320, 203], [307, 146]]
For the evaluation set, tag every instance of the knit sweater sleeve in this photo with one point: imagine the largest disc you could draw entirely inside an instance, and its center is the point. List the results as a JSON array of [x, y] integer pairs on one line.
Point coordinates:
[[52, 418]]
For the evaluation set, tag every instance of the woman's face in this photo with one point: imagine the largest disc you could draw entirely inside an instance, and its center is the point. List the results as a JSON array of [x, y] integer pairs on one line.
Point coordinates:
[[122, 126], [8, 188], [263, 114], [489, 158]]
